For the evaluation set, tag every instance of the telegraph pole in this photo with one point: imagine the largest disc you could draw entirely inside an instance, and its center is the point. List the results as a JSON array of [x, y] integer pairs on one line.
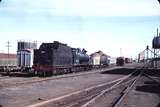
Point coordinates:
[[8, 46], [147, 49]]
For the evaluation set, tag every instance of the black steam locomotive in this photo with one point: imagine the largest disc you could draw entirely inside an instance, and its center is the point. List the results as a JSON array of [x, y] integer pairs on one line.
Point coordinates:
[[120, 61], [57, 58]]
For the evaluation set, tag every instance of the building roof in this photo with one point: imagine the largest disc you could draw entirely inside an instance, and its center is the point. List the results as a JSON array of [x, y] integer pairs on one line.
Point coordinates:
[[99, 53], [5, 55]]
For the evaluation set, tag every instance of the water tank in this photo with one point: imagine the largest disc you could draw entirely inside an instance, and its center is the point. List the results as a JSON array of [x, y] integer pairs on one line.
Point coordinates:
[[26, 45], [24, 58], [156, 42]]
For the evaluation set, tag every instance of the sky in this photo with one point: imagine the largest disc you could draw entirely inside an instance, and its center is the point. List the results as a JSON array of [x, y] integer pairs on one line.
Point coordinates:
[[106, 25]]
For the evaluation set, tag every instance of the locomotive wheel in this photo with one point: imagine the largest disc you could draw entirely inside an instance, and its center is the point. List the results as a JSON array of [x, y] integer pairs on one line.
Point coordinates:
[[41, 74], [49, 73]]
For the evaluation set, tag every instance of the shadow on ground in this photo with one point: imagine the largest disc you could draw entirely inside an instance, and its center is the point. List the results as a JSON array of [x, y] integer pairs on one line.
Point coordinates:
[[126, 71], [158, 105], [151, 88], [18, 74], [120, 71]]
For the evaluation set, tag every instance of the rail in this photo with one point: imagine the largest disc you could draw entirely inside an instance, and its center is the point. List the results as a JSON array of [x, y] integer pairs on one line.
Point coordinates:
[[85, 96]]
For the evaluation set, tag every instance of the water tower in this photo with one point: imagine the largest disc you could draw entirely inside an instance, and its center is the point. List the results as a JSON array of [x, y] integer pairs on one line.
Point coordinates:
[[156, 48]]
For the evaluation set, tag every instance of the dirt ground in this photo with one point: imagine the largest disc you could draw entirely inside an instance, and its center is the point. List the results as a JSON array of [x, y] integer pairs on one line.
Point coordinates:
[[26, 94], [145, 94]]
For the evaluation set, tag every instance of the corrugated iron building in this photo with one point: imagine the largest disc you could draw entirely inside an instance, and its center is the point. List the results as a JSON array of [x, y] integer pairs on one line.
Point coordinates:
[[8, 60], [99, 58]]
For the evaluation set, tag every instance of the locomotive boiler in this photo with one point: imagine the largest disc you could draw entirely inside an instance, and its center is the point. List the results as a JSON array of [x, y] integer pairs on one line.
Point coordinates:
[[80, 57]]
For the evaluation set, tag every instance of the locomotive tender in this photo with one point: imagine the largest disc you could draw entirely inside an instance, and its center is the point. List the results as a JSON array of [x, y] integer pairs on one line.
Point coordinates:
[[57, 58]]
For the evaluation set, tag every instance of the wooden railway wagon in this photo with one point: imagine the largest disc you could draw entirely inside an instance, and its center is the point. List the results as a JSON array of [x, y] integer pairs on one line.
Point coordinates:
[[57, 58], [7, 61]]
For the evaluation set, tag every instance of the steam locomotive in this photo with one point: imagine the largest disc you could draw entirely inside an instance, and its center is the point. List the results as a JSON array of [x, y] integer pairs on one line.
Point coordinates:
[[120, 61], [57, 58]]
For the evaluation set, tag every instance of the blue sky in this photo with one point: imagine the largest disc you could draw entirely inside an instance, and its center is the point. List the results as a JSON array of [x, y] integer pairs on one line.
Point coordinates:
[[106, 25]]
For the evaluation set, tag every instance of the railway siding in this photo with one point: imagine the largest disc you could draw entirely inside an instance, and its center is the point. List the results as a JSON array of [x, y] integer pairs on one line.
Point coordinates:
[[145, 94], [70, 100], [26, 94], [72, 96], [13, 81], [116, 95]]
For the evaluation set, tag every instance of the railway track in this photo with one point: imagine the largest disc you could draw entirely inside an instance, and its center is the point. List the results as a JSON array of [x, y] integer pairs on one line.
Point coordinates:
[[126, 91], [115, 95], [122, 86], [32, 80], [88, 97]]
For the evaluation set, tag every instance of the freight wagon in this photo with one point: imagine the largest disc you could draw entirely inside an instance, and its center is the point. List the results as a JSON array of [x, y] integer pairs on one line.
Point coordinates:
[[7, 62]]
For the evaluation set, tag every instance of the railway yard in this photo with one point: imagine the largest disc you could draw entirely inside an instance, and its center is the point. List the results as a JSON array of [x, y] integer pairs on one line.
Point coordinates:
[[57, 75], [79, 53], [127, 86]]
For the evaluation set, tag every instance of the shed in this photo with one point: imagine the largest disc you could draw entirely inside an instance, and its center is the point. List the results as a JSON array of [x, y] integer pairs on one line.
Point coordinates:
[[99, 58]]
